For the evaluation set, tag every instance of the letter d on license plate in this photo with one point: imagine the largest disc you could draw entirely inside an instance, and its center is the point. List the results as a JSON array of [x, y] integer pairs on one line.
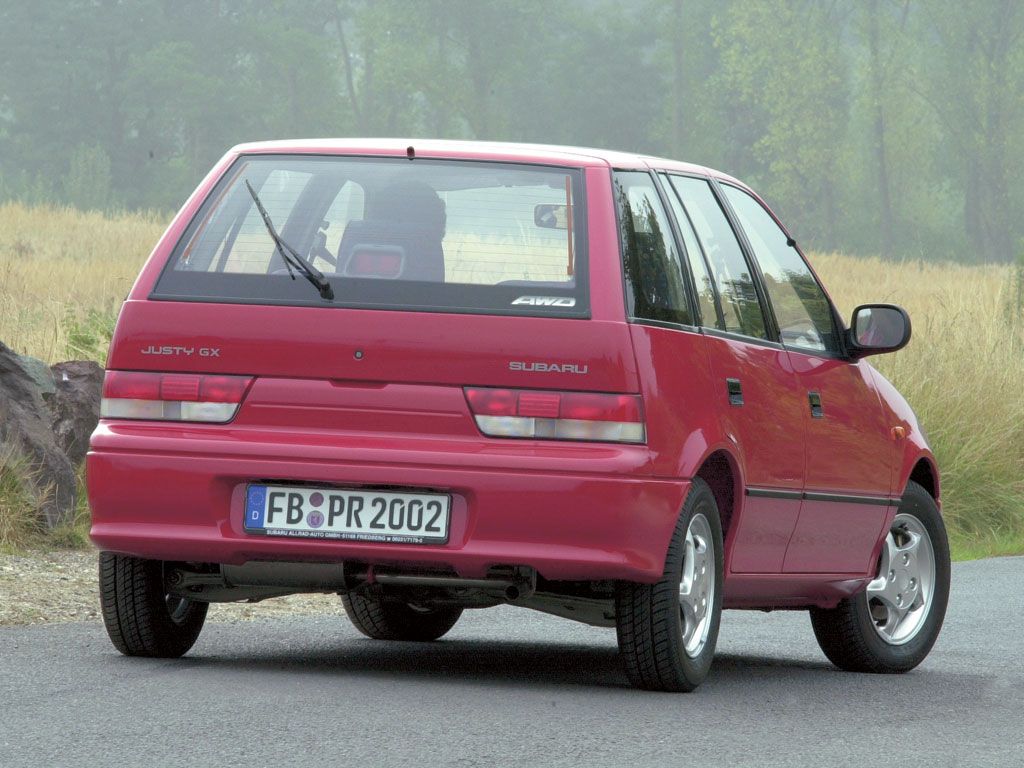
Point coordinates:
[[339, 513]]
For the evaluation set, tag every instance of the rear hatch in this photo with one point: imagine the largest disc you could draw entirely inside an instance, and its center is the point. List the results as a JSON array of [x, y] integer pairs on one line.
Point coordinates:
[[446, 276]]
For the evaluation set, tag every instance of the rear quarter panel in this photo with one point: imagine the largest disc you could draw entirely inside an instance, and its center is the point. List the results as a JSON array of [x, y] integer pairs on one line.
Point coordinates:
[[683, 426]]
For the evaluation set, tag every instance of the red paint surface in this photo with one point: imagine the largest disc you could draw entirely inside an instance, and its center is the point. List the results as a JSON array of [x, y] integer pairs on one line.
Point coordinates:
[[763, 534], [849, 450], [768, 431], [573, 512]]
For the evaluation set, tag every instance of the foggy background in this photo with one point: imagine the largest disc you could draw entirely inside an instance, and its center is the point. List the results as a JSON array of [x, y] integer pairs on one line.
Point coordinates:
[[890, 127]]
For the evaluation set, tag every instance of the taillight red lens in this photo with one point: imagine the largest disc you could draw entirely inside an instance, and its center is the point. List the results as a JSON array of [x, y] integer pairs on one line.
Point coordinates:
[[172, 396], [541, 404], [594, 407], [131, 386], [223, 389], [493, 402], [178, 387], [557, 415]]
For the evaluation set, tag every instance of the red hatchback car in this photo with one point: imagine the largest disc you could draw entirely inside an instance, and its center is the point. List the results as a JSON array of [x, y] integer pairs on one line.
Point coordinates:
[[458, 375]]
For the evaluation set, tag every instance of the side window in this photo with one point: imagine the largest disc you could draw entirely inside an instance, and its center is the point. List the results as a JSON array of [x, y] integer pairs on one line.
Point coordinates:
[[740, 305], [698, 267], [802, 309], [654, 278]]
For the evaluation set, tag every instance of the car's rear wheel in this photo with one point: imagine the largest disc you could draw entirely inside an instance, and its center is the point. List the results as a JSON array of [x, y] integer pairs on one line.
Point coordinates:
[[141, 618], [667, 631], [893, 624], [394, 620]]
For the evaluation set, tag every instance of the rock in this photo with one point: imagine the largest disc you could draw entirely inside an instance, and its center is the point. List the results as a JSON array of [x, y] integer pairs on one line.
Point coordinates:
[[39, 372], [25, 426], [75, 405]]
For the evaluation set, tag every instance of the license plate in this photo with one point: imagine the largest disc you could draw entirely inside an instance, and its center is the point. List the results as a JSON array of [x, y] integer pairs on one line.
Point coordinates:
[[338, 513]]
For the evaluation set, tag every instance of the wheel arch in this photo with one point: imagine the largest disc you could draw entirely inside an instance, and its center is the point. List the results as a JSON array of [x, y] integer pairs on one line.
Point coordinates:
[[925, 473], [721, 471]]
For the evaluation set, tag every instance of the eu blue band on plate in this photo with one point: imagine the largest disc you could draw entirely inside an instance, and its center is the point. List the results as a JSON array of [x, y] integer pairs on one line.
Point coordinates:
[[256, 506]]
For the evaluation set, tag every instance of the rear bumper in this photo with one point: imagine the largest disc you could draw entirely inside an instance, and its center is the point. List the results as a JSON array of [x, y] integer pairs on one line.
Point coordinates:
[[571, 511]]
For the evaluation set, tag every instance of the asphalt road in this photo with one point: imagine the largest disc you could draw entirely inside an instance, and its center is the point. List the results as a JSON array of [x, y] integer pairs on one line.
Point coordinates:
[[510, 687]]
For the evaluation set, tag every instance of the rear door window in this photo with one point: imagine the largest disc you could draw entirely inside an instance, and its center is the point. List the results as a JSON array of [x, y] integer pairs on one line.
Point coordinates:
[[732, 274], [655, 289], [709, 311], [388, 233]]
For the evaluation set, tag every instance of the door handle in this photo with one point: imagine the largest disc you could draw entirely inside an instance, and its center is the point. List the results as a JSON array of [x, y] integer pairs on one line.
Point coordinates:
[[817, 410], [735, 390]]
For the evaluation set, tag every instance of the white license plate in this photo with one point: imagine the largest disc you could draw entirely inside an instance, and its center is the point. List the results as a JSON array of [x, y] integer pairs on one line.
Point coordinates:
[[338, 513]]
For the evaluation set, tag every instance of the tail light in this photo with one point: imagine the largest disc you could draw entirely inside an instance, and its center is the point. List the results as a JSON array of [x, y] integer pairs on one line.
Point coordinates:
[[172, 396], [557, 415]]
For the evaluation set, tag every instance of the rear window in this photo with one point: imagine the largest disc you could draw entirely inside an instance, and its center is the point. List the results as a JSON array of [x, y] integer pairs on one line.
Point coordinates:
[[389, 233]]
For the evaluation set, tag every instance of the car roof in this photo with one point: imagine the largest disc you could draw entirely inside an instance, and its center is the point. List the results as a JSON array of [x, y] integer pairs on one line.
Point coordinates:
[[479, 150]]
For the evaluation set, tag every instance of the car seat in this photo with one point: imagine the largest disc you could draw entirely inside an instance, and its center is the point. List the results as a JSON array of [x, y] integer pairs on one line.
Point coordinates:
[[406, 218]]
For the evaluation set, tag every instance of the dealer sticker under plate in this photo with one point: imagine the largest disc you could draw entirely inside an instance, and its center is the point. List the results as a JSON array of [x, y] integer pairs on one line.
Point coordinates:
[[338, 513]]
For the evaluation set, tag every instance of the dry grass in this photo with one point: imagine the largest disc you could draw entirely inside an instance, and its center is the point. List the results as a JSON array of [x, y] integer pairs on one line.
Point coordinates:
[[60, 269], [963, 373], [19, 524], [64, 273]]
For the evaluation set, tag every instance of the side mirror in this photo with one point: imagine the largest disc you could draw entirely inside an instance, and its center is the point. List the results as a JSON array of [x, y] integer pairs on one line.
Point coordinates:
[[877, 328], [549, 216]]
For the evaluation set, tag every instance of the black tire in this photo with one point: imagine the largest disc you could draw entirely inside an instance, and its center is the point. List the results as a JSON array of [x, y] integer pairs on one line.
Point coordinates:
[[394, 620], [649, 618], [847, 633], [140, 617]]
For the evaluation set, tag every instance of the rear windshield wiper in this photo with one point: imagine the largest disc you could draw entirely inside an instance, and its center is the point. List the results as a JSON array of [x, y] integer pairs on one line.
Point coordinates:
[[291, 258]]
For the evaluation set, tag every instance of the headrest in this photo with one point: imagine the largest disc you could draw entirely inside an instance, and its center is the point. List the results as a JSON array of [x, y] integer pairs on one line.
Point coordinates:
[[410, 201]]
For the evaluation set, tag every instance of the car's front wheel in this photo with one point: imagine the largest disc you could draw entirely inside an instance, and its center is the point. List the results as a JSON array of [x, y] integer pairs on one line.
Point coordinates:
[[667, 631], [141, 618], [893, 624], [381, 619]]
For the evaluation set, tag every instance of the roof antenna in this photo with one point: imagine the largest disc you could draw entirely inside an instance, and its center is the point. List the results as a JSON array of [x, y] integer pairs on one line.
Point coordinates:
[[410, 152]]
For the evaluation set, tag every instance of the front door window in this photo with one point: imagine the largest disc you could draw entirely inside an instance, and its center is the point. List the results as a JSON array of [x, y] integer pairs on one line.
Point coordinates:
[[801, 306]]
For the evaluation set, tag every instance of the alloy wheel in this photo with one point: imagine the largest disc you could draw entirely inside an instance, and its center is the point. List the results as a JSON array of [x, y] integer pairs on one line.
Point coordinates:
[[900, 597], [697, 585]]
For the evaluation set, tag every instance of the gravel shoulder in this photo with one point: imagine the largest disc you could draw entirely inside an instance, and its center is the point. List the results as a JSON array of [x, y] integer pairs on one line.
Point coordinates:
[[61, 586]]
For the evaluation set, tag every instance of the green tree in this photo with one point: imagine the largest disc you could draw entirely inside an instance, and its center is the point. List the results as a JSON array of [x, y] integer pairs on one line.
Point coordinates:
[[87, 183], [886, 126], [783, 61], [971, 76]]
